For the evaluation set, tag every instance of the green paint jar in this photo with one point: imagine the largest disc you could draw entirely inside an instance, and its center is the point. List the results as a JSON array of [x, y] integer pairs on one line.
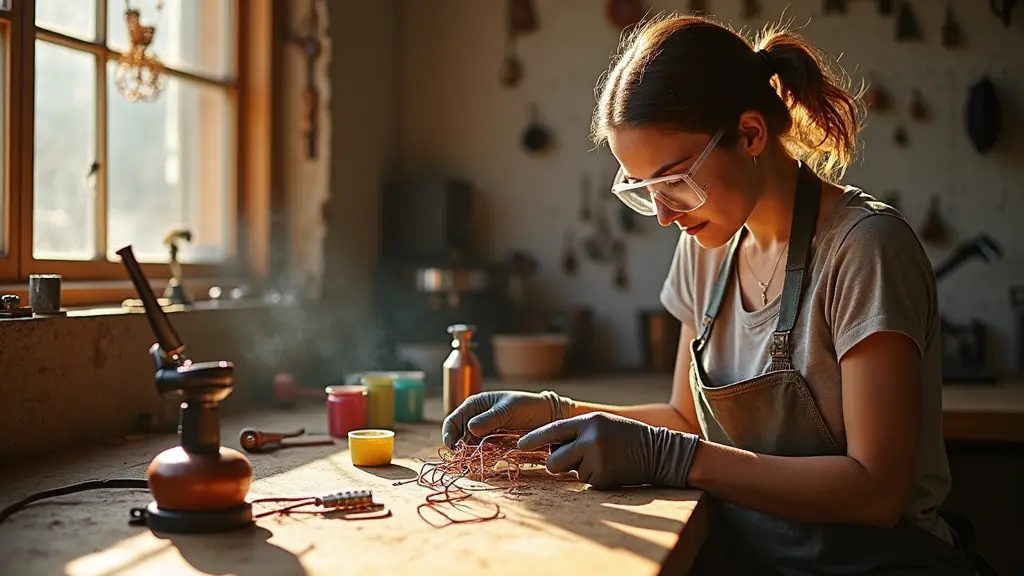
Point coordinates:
[[380, 401], [409, 392]]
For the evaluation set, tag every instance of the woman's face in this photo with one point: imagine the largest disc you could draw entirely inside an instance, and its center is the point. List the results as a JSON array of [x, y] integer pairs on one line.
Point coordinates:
[[728, 177]]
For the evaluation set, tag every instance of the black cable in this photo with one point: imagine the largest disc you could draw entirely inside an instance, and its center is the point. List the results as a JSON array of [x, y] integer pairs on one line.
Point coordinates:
[[71, 489]]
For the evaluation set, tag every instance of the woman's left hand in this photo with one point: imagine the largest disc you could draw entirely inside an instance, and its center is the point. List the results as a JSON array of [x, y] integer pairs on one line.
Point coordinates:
[[609, 451]]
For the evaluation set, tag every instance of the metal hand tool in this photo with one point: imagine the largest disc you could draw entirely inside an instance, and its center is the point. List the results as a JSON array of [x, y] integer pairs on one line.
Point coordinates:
[[255, 441]]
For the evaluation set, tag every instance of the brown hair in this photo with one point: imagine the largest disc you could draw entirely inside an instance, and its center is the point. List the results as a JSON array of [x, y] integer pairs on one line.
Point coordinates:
[[694, 75]]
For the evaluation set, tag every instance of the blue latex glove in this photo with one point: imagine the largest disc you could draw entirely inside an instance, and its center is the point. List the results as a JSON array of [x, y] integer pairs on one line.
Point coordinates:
[[484, 413], [609, 451]]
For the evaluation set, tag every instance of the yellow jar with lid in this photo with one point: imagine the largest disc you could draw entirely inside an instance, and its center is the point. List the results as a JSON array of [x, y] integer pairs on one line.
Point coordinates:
[[380, 401]]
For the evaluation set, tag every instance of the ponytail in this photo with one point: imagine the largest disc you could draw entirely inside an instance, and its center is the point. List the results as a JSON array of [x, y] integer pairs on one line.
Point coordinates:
[[825, 116]]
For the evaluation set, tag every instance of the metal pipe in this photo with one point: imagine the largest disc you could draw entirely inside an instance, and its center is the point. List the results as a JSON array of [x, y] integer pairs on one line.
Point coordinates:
[[162, 329]]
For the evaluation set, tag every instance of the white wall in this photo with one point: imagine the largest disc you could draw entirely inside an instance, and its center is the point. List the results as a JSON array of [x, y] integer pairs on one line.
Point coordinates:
[[456, 117]]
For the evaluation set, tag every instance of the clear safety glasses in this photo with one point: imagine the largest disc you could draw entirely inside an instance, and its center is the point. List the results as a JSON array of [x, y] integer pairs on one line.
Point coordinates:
[[679, 192]]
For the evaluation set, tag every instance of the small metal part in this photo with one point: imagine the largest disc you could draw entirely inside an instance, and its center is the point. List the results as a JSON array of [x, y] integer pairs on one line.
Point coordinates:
[[347, 500], [10, 307], [255, 441]]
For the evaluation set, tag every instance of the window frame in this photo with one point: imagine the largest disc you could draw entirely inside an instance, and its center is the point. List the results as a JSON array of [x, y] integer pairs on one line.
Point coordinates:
[[253, 116], [11, 20]]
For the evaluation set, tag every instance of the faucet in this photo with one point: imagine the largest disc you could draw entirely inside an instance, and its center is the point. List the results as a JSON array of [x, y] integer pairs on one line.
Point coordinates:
[[175, 291]]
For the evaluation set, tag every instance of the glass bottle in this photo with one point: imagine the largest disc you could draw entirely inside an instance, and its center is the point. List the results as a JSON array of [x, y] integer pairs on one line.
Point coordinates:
[[461, 368]]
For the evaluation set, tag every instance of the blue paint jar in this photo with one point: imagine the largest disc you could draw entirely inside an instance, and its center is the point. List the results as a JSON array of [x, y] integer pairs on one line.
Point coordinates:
[[409, 392]]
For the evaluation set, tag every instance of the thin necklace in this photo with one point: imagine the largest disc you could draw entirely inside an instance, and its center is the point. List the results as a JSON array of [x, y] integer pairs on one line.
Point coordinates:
[[764, 285]]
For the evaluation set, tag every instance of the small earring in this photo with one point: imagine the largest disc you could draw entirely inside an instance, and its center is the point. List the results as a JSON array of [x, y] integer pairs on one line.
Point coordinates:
[[754, 157]]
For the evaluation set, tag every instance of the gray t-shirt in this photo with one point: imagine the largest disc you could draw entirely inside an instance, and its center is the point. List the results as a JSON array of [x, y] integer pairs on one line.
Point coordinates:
[[868, 273]]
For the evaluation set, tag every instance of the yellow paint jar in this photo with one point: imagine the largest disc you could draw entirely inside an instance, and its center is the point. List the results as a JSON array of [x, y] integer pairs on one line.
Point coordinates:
[[371, 447], [380, 401]]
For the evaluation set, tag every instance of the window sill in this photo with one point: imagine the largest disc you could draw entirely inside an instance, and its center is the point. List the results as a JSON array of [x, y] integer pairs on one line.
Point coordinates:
[[111, 298]]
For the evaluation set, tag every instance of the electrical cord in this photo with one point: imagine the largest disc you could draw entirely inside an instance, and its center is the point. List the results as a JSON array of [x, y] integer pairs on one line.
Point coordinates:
[[349, 500], [130, 483]]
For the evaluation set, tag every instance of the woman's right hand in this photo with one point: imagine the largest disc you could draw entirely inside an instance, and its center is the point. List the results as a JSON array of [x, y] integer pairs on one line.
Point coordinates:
[[487, 412]]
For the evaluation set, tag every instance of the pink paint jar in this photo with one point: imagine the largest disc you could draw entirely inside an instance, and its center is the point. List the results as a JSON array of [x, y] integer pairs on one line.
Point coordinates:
[[346, 409]]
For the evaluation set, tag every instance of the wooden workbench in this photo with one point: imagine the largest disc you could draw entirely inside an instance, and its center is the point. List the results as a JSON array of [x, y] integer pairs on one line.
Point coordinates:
[[559, 527]]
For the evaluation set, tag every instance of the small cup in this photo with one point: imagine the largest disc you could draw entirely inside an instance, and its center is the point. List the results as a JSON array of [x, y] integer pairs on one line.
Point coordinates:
[[44, 293], [371, 447]]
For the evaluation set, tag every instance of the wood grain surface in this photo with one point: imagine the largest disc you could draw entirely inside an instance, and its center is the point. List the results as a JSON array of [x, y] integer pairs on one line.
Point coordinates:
[[557, 527]]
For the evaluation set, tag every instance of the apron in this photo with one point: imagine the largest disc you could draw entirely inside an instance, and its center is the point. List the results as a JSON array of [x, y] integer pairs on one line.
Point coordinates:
[[775, 413]]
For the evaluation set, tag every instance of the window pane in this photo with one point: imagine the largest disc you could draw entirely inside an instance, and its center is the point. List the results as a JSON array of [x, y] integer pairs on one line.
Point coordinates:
[[75, 17], [64, 216], [171, 165], [193, 35]]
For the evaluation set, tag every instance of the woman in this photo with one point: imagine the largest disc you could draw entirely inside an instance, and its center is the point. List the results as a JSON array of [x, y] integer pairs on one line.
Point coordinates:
[[807, 394]]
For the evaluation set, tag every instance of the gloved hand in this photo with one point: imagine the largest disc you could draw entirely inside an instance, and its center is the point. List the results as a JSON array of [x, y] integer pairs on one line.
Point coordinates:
[[609, 451], [482, 414]]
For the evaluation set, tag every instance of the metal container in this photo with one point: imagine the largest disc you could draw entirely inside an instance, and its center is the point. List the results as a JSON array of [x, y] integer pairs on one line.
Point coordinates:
[[44, 293], [462, 376]]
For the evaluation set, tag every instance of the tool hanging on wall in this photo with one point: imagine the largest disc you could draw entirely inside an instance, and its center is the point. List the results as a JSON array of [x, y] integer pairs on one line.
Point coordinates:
[[900, 137], [585, 215], [836, 6], [620, 279], [918, 109], [952, 36], [598, 245], [536, 137], [311, 47], [511, 71], [751, 9], [140, 74], [934, 230], [984, 115], [966, 346], [624, 13], [1003, 9], [886, 7], [522, 17], [907, 27], [570, 263]]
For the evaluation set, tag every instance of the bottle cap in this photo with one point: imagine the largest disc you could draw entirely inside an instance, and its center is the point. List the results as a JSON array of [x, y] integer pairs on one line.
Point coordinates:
[[461, 330]]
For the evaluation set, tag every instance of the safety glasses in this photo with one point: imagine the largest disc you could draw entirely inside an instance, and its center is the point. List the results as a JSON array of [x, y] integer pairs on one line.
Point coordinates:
[[679, 192]]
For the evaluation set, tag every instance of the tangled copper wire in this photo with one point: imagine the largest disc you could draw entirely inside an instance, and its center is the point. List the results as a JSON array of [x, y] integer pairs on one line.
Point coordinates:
[[495, 456]]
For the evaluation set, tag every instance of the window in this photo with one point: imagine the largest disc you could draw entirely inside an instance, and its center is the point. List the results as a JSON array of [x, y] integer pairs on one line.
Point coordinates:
[[87, 171], [4, 33]]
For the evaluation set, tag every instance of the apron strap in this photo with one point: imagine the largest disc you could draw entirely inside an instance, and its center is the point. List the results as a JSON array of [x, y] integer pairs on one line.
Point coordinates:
[[805, 220], [721, 285]]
